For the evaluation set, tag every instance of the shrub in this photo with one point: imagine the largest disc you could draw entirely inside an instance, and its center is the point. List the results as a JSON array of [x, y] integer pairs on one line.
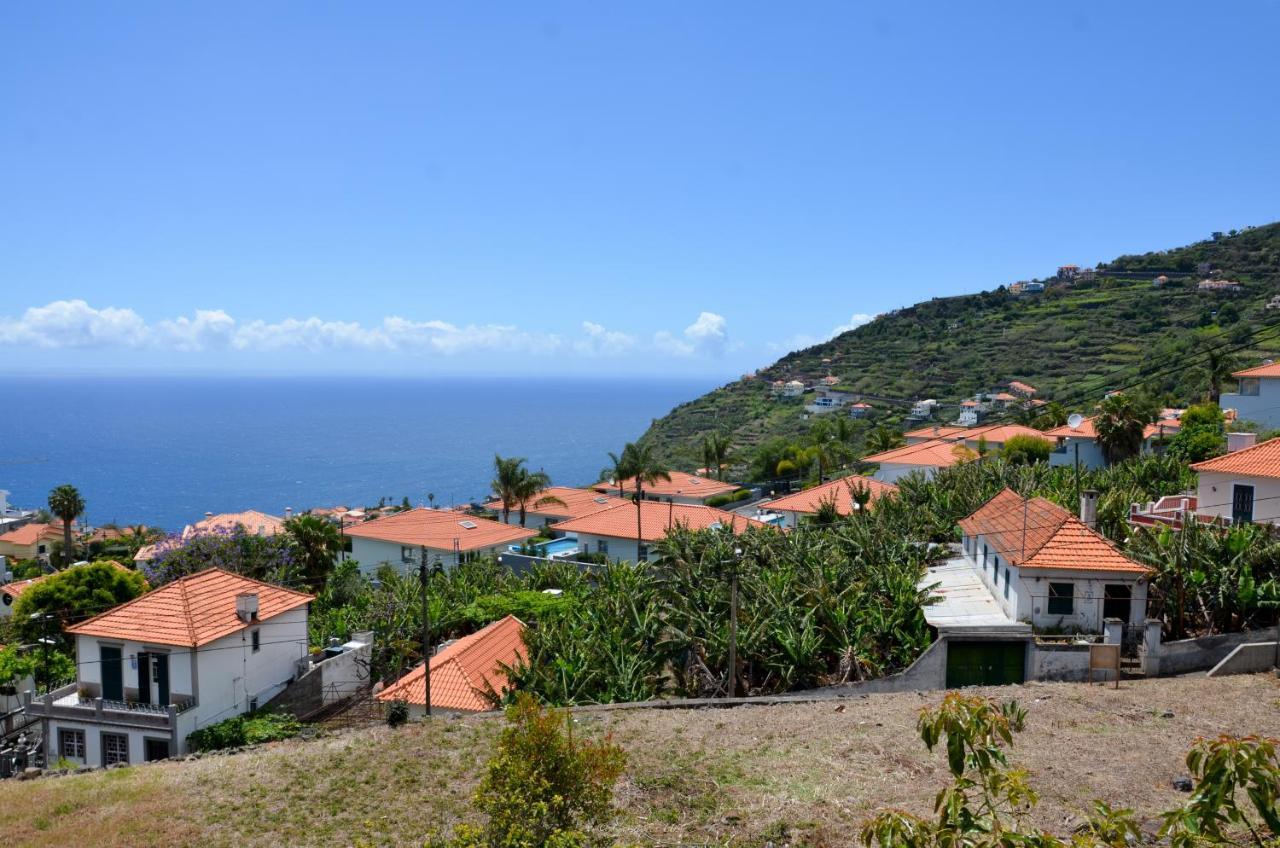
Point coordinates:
[[1025, 450], [249, 729], [543, 787], [729, 497], [397, 713]]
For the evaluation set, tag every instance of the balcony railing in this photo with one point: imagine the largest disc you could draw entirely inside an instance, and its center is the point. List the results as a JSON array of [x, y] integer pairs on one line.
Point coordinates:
[[67, 703]]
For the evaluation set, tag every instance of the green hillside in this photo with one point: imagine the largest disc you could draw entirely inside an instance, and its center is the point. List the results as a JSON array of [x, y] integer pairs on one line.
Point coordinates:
[[1072, 341]]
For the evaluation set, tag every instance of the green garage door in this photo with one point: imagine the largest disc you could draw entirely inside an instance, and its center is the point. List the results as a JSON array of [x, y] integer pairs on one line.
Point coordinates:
[[985, 663]]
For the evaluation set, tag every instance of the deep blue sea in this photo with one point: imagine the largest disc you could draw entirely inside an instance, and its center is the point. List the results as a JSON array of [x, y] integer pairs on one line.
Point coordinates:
[[163, 451]]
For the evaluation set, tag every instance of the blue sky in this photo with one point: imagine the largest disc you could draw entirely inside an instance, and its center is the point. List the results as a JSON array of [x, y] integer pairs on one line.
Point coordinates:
[[575, 188]]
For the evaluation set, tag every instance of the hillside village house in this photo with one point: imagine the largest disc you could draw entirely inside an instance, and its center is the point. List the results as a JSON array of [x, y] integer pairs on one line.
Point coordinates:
[[1242, 485], [612, 532], [576, 503], [445, 536], [251, 521], [799, 505], [1218, 286], [682, 488], [1257, 397], [152, 671], [11, 518], [30, 541], [859, 410], [1046, 567], [463, 672], [830, 400], [959, 445], [1082, 441], [1020, 388], [926, 434]]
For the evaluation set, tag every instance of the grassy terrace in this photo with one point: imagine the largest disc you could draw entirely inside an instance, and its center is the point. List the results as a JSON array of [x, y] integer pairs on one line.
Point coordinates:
[[808, 773]]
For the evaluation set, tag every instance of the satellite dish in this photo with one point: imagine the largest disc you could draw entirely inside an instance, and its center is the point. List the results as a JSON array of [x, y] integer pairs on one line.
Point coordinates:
[[1074, 420]]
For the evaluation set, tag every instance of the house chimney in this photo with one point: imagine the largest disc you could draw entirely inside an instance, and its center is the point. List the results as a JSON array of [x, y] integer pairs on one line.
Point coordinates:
[[247, 607], [1089, 508], [1240, 441]]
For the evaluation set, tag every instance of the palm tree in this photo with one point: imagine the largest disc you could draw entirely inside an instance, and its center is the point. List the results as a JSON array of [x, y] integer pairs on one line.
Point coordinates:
[[318, 544], [65, 502], [1121, 425], [715, 453], [508, 472], [1219, 366], [621, 469], [529, 487], [639, 463], [884, 438]]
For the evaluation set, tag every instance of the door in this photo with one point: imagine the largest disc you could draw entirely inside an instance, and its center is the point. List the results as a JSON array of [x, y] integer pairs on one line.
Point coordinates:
[[985, 663], [112, 673], [144, 677], [1242, 504], [1117, 601], [155, 749], [160, 671]]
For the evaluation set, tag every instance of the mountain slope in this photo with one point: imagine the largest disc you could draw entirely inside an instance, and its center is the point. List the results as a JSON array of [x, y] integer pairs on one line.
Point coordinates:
[[1069, 342]]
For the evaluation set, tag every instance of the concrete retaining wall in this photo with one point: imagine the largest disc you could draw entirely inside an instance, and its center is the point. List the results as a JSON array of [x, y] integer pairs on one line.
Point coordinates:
[[1246, 659], [329, 681], [1060, 662], [1188, 655]]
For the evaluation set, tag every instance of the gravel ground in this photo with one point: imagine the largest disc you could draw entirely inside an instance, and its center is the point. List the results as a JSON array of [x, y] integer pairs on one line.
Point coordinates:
[[788, 774]]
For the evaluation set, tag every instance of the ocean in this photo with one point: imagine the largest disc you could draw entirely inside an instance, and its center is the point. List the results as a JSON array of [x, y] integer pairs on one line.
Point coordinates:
[[162, 451]]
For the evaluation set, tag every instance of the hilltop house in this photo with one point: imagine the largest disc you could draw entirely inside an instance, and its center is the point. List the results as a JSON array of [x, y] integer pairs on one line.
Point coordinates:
[[30, 541], [1082, 442], [682, 488], [1050, 569], [403, 539], [1242, 485], [1257, 396], [613, 531], [1020, 388], [463, 672], [839, 492], [958, 445], [575, 503], [859, 410], [1218, 286], [191, 653]]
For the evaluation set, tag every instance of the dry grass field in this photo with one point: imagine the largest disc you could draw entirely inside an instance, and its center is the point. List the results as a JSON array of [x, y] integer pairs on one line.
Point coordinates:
[[802, 774]]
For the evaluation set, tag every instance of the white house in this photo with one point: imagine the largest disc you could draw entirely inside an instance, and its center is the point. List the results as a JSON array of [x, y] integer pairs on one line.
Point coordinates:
[[792, 388], [1082, 442], [189, 654], [1050, 569], [839, 492], [957, 445], [1242, 485], [450, 537], [574, 503], [1257, 397], [613, 532], [682, 488]]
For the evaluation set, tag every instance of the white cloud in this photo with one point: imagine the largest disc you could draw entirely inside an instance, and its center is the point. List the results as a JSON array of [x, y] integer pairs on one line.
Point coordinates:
[[855, 321], [76, 324], [800, 341]]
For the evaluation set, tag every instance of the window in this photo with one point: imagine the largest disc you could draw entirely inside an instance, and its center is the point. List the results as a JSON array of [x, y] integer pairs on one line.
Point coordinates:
[[1250, 386], [1006, 583], [602, 546], [71, 744], [985, 551], [253, 705], [406, 554], [115, 748], [1062, 598], [256, 637], [1241, 504], [642, 551]]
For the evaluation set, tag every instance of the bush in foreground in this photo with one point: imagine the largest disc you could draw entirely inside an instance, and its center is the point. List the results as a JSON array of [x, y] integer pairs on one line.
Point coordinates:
[[252, 729]]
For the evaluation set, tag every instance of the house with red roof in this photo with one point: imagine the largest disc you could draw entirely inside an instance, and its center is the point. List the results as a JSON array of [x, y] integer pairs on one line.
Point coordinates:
[[450, 538], [1050, 569], [188, 654], [952, 446], [30, 541], [1257, 395], [840, 493], [620, 534], [464, 673], [682, 488], [1242, 485], [1080, 443], [573, 503]]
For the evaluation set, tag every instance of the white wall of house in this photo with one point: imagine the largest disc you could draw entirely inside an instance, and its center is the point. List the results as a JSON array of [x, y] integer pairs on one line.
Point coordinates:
[[616, 549], [891, 472], [226, 678], [1023, 594], [1090, 453], [1216, 495], [372, 553], [1258, 399]]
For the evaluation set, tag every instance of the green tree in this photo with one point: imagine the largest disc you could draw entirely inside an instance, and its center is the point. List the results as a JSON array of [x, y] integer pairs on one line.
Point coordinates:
[[642, 466], [884, 438], [719, 447], [1202, 434], [1218, 366], [65, 502], [1025, 450], [528, 492], [75, 594], [543, 786], [1121, 424], [507, 474], [317, 544]]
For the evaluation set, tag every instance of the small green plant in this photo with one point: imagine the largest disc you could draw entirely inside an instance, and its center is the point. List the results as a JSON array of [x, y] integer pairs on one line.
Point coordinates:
[[543, 787], [250, 729], [397, 713]]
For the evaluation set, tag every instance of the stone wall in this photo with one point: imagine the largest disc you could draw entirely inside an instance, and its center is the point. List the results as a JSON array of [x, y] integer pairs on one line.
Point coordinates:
[[1189, 655], [329, 681]]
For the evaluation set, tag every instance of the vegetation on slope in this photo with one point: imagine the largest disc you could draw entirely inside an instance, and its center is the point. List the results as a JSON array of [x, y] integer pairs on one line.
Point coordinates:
[[1088, 335]]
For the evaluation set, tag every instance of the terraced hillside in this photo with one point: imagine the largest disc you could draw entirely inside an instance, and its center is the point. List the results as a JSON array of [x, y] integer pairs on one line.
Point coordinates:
[[1071, 342]]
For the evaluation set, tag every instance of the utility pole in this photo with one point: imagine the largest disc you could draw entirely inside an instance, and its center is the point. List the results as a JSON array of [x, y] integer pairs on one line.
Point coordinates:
[[426, 628], [1077, 474]]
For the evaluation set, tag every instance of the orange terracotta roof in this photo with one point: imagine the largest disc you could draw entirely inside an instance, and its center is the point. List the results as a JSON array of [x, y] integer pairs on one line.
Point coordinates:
[[1262, 460], [998, 434], [935, 453], [656, 518], [438, 529], [681, 484], [463, 671], [1086, 430], [1271, 369], [1005, 396], [1041, 534], [810, 500], [254, 522], [191, 611], [1023, 388], [933, 432], [29, 534], [577, 503]]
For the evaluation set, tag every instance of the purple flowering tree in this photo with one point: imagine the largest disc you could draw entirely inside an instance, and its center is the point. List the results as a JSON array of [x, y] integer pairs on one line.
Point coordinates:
[[268, 558]]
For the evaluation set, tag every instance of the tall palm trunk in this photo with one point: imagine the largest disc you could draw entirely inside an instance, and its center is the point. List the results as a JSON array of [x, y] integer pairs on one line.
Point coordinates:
[[639, 523], [68, 551]]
